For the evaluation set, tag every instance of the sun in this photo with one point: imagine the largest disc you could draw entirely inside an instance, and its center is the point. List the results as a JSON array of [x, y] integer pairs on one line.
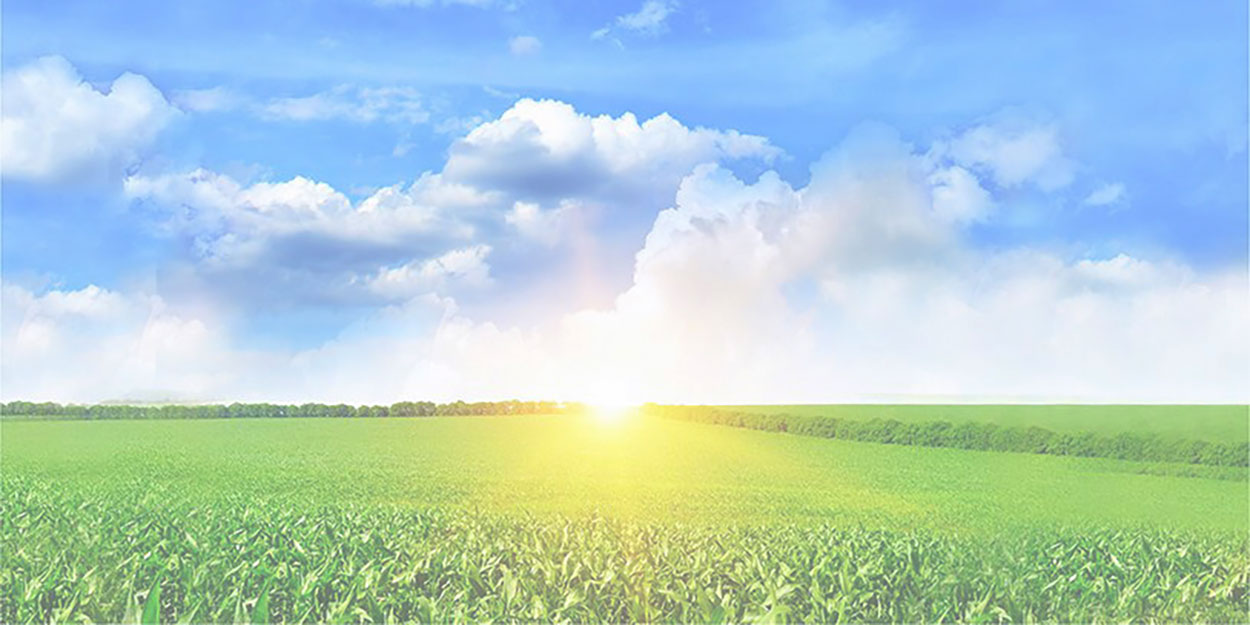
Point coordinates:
[[611, 411], [611, 405]]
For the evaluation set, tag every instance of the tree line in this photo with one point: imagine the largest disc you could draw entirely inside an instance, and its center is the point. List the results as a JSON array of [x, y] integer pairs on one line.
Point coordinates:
[[973, 435], [50, 410]]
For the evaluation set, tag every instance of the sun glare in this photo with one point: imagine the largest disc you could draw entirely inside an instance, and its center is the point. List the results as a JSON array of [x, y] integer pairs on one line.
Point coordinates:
[[611, 411]]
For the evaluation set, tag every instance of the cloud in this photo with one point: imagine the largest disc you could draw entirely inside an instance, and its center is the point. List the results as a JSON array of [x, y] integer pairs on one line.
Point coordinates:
[[897, 302], [58, 128], [298, 240], [959, 196], [233, 221], [465, 265], [92, 344], [499, 93], [650, 20], [537, 169], [431, 350], [544, 150], [460, 124], [866, 283], [524, 45], [904, 306], [212, 100], [1106, 195], [141, 350], [1013, 147], [401, 105], [506, 5], [544, 225], [353, 103]]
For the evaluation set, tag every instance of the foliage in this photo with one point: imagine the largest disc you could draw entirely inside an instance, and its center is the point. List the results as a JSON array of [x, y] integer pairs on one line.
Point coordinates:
[[973, 435], [278, 411], [1209, 422], [230, 562], [566, 518]]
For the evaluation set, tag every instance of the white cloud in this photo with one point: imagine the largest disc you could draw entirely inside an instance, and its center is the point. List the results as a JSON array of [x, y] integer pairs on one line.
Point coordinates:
[[233, 218], [354, 103], [711, 317], [92, 344], [466, 265], [430, 351], [545, 150], [58, 128], [300, 239], [862, 284], [499, 93], [650, 20], [1125, 272], [545, 225], [1014, 148], [357, 104], [459, 124], [958, 195], [708, 318], [506, 5], [1105, 195], [212, 100], [89, 301], [523, 45]]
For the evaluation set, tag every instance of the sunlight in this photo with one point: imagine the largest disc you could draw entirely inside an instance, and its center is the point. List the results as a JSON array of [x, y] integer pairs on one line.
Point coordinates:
[[611, 411]]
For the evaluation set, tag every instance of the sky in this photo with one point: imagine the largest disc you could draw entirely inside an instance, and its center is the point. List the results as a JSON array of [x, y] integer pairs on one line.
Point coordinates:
[[368, 201]]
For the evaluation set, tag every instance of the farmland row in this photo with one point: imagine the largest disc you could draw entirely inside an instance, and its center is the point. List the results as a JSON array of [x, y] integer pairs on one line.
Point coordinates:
[[973, 435], [53, 411], [215, 561]]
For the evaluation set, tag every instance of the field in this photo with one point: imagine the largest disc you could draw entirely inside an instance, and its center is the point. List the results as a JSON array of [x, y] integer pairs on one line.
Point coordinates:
[[567, 518], [1218, 423]]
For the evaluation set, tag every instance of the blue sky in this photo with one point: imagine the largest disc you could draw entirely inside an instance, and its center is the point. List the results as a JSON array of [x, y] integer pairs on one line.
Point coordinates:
[[1052, 132]]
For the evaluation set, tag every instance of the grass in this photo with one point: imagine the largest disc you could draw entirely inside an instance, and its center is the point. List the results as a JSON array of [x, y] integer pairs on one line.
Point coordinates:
[[1215, 423], [978, 435], [565, 518]]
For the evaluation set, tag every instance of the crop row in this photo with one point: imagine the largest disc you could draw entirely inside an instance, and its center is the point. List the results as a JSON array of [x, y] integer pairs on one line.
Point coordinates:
[[74, 557], [973, 435], [52, 410]]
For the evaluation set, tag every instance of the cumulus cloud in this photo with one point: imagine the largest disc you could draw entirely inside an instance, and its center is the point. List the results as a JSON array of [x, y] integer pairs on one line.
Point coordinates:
[[58, 128], [1106, 195], [233, 220], [711, 316], [546, 225], [466, 265], [863, 284], [524, 45], [298, 239], [544, 150], [537, 168], [898, 303]]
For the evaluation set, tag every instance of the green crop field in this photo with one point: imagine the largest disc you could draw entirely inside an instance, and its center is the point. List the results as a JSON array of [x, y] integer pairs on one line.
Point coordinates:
[[1217, 423], [568, 518]]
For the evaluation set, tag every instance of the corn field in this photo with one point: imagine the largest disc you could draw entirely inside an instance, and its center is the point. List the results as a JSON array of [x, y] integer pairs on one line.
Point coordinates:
[[491, 521]]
